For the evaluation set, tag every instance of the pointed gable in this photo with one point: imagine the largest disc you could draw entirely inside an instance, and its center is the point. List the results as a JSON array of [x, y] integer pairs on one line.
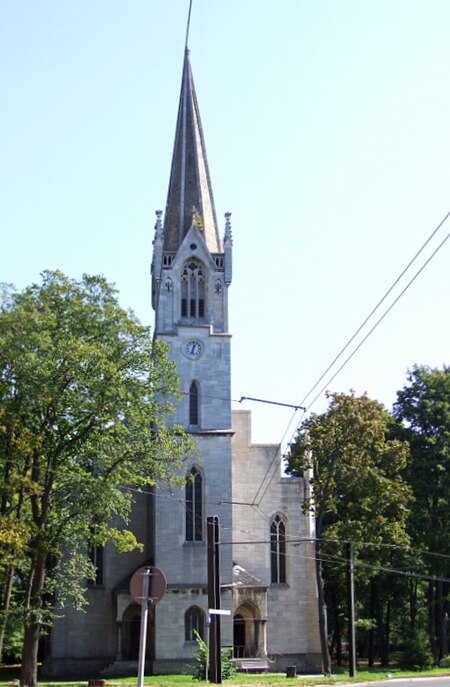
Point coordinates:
[[190, 193]]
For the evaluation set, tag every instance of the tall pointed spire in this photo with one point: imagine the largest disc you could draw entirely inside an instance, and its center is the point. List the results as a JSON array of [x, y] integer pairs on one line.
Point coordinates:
[[190, 195]]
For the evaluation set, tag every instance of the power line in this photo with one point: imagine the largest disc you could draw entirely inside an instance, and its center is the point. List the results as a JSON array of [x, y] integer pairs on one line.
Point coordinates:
[[245, 398], [301, 406], [377, 306], [401, 547], [380, 319], [275, 403], [302, 540], [289, 540], [343, 561], [381, 568]]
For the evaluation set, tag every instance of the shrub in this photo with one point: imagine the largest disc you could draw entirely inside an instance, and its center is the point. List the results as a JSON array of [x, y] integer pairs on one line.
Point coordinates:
[[201, 661], [417, 654]]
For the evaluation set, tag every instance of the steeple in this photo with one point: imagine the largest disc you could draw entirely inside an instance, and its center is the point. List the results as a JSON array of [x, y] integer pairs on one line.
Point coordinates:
[[190, 197]]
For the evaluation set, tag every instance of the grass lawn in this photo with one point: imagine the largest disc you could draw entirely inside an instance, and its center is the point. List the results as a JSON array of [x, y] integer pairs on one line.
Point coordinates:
[[9, 676]]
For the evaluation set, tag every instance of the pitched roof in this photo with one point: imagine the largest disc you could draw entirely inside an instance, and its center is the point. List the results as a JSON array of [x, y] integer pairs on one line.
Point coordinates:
[[243, 578], [190, 197]]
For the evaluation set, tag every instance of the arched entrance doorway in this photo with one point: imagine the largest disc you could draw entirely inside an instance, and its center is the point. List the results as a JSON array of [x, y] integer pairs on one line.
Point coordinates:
[[131, 632], [133, 638], [247, 632], [238, 636], [131, 628]]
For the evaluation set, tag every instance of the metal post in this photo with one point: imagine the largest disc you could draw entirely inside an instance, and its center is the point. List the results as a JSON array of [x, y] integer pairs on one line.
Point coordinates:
[[215, 664], [144, 617], [351, 612], [208, 641]]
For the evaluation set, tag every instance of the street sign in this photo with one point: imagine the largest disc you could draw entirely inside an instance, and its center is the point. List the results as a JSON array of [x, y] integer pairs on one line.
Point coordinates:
[[218, 611], [147, 585], [157, 584]]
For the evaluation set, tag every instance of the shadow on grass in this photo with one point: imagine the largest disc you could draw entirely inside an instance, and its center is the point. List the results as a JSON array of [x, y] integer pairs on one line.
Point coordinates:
[[9, 676]]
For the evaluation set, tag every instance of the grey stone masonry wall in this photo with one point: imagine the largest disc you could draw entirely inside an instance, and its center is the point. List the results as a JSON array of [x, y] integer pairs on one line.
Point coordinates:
[[211, 371], [185, 563], [292, 613], [171, 645], [90, 636]]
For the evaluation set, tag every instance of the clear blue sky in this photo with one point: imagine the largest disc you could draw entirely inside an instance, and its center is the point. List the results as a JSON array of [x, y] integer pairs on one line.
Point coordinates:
[[327, 126]]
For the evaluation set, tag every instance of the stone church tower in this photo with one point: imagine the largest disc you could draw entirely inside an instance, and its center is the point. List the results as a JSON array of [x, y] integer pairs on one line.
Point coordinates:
[[267, 583], [267, 570], [191, 273]]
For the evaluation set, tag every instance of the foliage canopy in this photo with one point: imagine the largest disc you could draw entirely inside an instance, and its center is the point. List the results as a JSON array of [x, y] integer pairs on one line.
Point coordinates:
[[354, 470], [84, 399]]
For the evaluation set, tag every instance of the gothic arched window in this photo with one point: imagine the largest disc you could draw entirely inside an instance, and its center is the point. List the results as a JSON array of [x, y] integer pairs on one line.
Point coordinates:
[[194, 403], [278, 550], [193, 290], [194, 505], [194, 621]]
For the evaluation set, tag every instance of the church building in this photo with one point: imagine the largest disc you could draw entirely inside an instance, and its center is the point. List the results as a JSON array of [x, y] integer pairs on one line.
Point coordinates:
[[267, 570]]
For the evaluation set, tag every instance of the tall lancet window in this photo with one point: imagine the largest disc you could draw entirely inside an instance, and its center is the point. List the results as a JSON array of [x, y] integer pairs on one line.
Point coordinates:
[[194, 505], [278, 550], [194, 404], [193, 290]]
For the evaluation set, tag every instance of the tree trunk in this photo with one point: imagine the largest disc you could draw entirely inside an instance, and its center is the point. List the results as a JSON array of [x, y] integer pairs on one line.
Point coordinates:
[[441, 621], [11, 569], [28, 676], [322, 611], [446, 591], [10, 574], [381, 632], [6, 604], [338, 644], [387, 634], [432, 620], [337, 633], [412, 604], [371, 638]]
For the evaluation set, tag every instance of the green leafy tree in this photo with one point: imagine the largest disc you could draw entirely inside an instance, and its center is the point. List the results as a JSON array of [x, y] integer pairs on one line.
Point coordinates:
[[84, 400], [357, 493], [423, 407]]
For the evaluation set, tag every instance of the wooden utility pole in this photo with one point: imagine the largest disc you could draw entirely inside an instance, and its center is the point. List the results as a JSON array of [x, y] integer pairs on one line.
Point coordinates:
[[351, 612], [215, 664]]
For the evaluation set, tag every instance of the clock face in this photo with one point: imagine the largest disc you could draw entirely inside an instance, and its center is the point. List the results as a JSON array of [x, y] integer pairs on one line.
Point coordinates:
[[193, 349]]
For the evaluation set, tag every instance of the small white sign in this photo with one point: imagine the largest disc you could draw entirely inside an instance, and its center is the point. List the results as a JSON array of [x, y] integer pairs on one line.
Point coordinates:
[[218, 611]]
